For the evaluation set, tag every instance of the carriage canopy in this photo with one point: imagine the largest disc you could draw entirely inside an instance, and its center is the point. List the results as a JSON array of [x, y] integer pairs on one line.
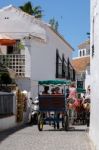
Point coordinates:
[[55, 82]]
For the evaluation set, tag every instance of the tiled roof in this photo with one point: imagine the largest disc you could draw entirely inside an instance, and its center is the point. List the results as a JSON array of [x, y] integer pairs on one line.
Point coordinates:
[[80, 64]]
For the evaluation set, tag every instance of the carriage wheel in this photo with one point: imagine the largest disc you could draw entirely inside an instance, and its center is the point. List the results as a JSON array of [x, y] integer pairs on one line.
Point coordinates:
[[40, 122], [66, 123]]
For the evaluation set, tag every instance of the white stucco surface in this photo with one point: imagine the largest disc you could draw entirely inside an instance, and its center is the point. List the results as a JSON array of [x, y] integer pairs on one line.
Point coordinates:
[[88, 77], [40, 48], [87, 81], [13, 22], [43, 56], [94, 124], [7, 122], [23, 84], [27, 60]]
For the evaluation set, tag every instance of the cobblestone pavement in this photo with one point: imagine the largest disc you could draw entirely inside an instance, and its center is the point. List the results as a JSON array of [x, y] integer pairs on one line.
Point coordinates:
[[29, 138]]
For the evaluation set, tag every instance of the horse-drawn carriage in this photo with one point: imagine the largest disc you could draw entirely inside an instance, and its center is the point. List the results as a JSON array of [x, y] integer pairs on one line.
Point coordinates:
[[53, 106]]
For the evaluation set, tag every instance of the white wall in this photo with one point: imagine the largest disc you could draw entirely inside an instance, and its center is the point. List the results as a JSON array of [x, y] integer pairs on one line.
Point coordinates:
[[7, 122], [10, 122], [15, 23], [3, 50], [88, 77], [27, 59], [23, 84], [43, 56], [87, 81], [41, 59], [94, 124]]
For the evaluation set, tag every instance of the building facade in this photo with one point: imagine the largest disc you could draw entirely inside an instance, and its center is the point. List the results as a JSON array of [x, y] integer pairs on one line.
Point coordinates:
[[40, 53], [94, 120], [45, 53], [84, 49], [82, 64], [14, 58]]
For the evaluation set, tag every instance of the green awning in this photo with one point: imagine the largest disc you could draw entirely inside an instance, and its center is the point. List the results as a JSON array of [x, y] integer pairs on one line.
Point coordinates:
[[54, 82]]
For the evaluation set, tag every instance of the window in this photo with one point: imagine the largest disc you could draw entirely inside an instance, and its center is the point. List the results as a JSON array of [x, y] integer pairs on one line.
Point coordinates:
[[14, 49], [57, 62], [80, 53], [83, 52], [71, 72], [59, 65], [64, 68]]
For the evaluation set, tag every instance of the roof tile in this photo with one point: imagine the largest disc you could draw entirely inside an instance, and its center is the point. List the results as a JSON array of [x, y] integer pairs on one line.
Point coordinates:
[[80, 64]]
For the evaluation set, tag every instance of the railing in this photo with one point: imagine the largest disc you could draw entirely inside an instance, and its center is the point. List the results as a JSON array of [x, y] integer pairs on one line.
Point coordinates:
[[15, 62]]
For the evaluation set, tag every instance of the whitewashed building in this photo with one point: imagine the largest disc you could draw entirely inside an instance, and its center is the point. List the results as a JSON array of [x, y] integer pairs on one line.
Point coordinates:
[[44, 54], [84, 49], [81, 64], [37, 61], [94, 122]]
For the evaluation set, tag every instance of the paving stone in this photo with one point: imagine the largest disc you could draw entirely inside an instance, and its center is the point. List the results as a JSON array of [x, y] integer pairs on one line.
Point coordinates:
[[29, 138]]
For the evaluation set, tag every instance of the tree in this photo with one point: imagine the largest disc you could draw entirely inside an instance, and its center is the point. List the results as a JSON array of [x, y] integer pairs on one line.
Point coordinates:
[[35, 11], [54, 24]]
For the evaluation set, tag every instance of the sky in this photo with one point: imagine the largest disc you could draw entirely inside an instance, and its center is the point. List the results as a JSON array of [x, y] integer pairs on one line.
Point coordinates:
[[73, 17]]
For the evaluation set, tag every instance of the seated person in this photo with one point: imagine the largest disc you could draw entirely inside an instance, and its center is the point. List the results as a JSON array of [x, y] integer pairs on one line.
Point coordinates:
[[57, 90], [46, 88], [53, 91]]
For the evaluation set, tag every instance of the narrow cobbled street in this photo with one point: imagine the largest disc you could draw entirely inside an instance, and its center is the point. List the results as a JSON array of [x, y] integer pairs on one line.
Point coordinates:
[[29, 138]]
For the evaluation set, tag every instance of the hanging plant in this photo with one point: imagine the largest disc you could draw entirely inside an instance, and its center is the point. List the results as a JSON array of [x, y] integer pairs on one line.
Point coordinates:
[[20, 45]]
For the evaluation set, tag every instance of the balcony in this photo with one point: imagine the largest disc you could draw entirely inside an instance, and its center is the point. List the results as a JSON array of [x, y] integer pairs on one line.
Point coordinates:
[[15, 62]]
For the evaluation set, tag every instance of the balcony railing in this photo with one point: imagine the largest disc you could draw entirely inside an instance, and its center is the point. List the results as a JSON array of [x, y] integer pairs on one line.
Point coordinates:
[[15, 62]]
